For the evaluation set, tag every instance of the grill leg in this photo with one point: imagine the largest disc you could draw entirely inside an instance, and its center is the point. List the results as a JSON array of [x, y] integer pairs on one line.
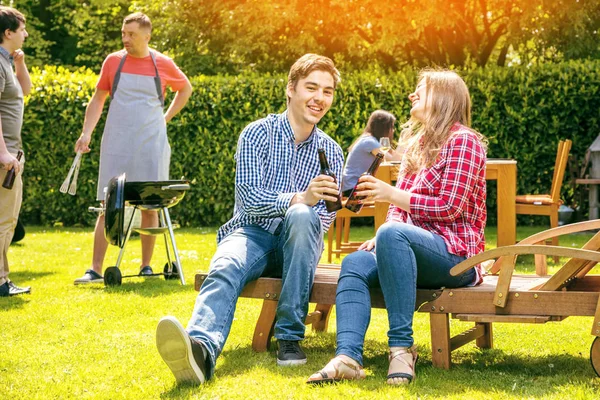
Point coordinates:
[[126, 239], [172, 235], [163, 222]]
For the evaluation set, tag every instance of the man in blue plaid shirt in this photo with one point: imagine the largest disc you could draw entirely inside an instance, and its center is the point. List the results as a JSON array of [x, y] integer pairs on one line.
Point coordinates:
[[276, 230]]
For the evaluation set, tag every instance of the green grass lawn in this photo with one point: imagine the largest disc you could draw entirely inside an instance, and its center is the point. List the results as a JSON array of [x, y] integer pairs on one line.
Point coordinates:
[[66, 341]]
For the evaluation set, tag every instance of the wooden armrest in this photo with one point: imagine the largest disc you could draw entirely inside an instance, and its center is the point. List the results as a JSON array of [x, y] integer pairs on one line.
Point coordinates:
[[519, 249], [561, 230]]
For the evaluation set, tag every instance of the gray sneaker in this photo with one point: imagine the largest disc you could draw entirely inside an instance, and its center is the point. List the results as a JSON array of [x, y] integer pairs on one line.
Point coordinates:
[[185, 357], [90, 276], [290, 353]]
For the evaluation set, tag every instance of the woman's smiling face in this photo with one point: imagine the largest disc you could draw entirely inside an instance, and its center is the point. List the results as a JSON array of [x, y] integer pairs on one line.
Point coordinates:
[[420, 102]]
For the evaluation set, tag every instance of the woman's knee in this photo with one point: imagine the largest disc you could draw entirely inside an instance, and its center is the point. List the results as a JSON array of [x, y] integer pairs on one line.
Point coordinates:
[[358, 264], [389, 232]]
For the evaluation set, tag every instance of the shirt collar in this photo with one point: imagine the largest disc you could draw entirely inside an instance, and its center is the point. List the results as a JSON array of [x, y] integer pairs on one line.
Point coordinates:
[[6, 54], [288, 132]]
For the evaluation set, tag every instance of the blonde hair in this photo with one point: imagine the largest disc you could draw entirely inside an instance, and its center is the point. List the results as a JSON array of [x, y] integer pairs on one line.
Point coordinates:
[[448, 102]]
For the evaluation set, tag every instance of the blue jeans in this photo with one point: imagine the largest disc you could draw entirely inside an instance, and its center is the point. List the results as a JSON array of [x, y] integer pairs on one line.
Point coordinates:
[[405, 257], [291, 253]]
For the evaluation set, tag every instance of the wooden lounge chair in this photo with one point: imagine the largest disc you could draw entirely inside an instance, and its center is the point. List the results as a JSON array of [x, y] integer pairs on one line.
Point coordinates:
[[500, 298]]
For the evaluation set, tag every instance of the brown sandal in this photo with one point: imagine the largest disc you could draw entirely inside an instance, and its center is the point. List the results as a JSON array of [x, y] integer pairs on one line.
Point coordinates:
[[343, 370], [401, 356]]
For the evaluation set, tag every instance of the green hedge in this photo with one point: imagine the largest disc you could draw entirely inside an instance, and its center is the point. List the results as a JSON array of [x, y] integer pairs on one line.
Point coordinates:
[[523, 111]]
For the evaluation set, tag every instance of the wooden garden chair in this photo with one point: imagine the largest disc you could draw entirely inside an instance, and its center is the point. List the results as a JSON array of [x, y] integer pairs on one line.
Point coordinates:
[[547, 204], [511, 298]]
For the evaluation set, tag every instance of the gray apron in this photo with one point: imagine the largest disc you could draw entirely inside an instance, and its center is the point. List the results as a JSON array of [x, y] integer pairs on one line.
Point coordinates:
[[135, 135]]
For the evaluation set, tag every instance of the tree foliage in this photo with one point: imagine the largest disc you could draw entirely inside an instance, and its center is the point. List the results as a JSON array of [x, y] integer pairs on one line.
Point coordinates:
[[228, 36]]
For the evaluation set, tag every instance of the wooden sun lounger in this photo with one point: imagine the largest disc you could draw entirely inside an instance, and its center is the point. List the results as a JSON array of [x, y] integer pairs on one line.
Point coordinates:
[[505, 297]]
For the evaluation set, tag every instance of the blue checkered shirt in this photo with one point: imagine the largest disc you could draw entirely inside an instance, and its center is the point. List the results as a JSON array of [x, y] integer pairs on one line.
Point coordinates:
[[271, 168]]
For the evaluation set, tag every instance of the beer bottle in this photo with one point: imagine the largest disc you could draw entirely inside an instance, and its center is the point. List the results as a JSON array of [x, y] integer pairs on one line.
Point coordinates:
[[353, 204], [330, 205], [9, 179]]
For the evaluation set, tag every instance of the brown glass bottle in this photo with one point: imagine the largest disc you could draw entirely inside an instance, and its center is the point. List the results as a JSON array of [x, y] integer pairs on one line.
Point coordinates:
[[330, 205], [9, 179], [354, 203]]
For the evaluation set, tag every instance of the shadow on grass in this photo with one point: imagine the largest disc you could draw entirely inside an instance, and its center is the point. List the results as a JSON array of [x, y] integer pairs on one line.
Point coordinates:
[[26, 275], [153, 287], [9, 303]]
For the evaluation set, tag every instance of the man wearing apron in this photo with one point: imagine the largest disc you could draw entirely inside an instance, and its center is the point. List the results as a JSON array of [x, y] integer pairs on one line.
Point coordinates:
[[135, 135], [13, 86]]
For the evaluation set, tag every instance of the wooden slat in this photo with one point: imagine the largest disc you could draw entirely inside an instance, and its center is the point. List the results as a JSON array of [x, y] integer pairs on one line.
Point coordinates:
[[313, 317], [506, 271], [465, 337], [524, 249], [466, 301], [587, 181], [520, 319], [588, 283], [572, 267]]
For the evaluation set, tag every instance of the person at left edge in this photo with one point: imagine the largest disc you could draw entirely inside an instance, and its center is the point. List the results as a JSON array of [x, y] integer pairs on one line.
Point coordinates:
[[13, 86], [135, 135]]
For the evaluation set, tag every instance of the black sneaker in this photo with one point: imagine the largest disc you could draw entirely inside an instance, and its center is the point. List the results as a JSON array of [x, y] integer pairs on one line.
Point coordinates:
[[146, 271], [10, 289], [290, 353], [4, 290], [185, 357], [90, 276]]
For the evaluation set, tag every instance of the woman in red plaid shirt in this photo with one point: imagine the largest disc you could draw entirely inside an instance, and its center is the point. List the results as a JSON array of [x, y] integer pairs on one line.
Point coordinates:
[[436, 219]]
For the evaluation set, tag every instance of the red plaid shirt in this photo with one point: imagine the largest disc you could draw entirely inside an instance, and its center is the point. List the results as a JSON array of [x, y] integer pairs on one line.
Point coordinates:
[[448, 199]]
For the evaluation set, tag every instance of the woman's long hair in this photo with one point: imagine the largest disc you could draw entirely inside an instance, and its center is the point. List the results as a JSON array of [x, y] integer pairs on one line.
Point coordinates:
[[380, 124], [448, 102]]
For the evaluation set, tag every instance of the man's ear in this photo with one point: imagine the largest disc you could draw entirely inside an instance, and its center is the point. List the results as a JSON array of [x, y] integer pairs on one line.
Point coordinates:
[[289, 90], [8, 33]]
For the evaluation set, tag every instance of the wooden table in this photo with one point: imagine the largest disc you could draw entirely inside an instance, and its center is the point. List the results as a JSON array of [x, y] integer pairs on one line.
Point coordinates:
[[502, 170]]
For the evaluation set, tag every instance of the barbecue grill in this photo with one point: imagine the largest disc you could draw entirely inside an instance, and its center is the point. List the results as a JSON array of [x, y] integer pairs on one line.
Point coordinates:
[[159, 196]]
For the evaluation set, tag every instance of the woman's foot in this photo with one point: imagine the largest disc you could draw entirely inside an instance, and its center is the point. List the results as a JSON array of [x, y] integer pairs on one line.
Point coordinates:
[[339, 368], [402, 365]]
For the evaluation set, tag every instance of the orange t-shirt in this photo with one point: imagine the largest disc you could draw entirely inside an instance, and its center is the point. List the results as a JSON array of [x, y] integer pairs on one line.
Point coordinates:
[[170, 74]]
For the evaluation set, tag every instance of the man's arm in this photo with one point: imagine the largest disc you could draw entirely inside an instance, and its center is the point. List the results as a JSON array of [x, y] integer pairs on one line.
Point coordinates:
[[22, 72], [92, 116], [7, 160], [180, 99]]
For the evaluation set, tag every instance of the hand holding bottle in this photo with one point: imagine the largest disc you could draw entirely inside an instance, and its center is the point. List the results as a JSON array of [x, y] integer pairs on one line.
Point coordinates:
[[322, 187], [9, 162], [9, 179], [374, 189]]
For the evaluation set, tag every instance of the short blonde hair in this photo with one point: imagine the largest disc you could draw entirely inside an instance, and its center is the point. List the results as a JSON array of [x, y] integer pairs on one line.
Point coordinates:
[[309, 63]]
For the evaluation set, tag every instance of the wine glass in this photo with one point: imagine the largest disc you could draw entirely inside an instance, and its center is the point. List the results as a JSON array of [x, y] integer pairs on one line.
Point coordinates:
[[385, 144]]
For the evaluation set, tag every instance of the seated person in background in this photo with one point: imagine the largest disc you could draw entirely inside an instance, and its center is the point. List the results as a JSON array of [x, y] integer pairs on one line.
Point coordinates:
[[436, 219], [364, 149], [277, 228]]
